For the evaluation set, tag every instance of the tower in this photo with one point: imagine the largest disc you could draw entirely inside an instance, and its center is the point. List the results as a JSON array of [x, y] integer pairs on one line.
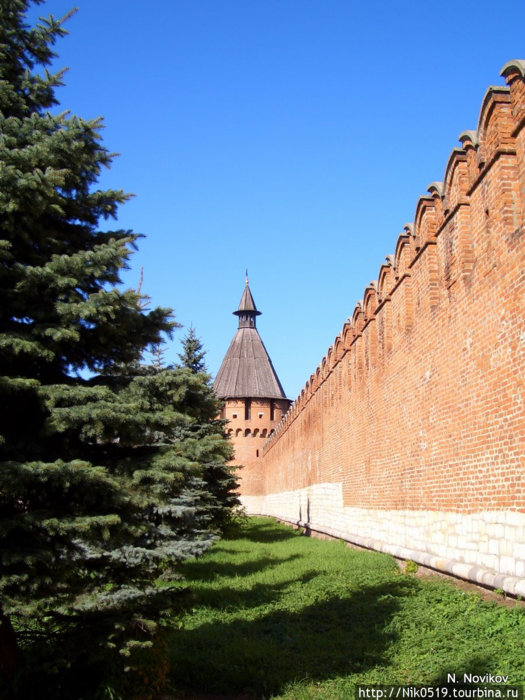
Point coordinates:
[[254, 400]]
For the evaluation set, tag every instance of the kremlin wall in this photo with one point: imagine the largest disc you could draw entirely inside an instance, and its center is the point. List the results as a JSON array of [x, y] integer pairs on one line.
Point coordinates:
[[409, 436]]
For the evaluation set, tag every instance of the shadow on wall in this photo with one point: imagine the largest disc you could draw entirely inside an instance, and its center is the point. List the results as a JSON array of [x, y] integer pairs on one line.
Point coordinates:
[[307, 529]]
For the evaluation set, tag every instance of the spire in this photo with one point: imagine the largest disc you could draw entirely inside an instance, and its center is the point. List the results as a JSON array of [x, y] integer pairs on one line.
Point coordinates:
[[246, 370], [247, 311]]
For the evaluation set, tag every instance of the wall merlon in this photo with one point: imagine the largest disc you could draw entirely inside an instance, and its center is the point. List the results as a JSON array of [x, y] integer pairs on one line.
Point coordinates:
[[325, 366], [469, 138], [385, 281], [514, 74], [456, 181], [513, 69], [436, 188], [427, 220], [494, 96], [404, 254], [348, 334], [339, 348], [370, 301], [495, 123], [358, 319]]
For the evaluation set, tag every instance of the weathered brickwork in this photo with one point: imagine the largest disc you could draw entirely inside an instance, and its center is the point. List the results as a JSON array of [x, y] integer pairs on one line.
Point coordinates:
[[417, 408]]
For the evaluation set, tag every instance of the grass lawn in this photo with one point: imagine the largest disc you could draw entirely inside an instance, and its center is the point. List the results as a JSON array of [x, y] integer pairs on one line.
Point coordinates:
[[280, 615]]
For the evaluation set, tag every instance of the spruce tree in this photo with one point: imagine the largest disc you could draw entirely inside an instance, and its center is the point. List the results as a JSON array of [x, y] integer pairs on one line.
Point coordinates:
[[192, 355], [220, 479], [103, 464]]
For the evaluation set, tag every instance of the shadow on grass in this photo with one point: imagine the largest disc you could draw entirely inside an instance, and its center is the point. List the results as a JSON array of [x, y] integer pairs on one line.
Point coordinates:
[[267, 532], [245, 599], [319, 641], [202, 569]]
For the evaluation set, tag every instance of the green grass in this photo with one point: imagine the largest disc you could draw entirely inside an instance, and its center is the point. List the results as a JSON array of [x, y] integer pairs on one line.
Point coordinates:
[[280, 615]]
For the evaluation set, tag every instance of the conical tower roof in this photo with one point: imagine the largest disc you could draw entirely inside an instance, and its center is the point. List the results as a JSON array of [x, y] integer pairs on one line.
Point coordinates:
[[247, 371], [247, 303]]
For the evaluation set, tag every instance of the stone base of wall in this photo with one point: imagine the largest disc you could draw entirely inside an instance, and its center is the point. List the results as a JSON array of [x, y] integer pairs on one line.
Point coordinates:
[[486, 547]]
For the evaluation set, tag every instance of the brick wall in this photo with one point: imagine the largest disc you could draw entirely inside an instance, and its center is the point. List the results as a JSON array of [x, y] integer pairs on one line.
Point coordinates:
[[415, 415], [249, 425]]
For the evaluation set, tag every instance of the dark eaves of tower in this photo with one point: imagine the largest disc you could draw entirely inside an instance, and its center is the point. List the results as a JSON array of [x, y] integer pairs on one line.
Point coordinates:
[[246, 370]]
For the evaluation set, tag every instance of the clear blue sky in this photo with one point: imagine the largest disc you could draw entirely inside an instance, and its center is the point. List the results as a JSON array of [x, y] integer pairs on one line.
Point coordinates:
[[289, 137]]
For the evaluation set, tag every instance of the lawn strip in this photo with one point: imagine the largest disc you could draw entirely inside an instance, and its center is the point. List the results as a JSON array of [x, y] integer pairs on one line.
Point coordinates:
[[280, 615]]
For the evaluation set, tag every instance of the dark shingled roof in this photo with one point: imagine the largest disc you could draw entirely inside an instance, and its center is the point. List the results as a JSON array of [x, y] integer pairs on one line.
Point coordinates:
[[247, 370], [247, 303]]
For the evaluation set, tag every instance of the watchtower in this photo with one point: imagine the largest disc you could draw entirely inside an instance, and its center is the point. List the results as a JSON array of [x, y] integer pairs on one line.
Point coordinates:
[[254, 399]]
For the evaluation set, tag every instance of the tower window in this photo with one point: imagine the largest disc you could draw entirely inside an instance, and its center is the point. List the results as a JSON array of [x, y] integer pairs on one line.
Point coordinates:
[[272, 410], [247, 409], [234, 415]]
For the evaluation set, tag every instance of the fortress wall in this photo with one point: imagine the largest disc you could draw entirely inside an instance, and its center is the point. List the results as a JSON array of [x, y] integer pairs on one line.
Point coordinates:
[[410, 433]]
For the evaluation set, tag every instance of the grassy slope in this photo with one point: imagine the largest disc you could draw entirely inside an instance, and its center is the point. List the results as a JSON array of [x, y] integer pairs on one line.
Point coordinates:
[[280, 615]]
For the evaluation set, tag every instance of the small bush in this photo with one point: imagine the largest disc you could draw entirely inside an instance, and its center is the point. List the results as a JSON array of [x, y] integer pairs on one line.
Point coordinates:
[[411, 567]]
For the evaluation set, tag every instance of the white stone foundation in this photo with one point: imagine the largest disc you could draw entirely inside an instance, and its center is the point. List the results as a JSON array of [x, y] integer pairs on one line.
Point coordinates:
[[486, 547]]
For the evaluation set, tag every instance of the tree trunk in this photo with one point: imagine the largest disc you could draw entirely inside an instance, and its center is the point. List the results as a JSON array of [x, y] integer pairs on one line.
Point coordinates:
[[10, 656]]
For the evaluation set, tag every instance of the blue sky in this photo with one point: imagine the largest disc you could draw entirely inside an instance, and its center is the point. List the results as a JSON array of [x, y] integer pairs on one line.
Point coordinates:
[[289, 137]]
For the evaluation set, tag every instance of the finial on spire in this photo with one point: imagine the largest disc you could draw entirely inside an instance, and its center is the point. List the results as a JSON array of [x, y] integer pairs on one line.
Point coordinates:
[[246, 280]]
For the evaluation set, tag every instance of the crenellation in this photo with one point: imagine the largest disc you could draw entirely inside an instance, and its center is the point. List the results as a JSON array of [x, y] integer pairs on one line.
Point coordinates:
[[408, 436], [427, 220], [358, 320], [338, 349], [470, 142], [456, 183], [385, 281], [513, 73], [495, 124], [370, 301], [403, 256]]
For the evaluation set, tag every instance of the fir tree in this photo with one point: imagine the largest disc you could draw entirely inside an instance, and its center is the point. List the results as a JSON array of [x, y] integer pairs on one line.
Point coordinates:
[[192, 356], [221, 483], [158, 357], [104, 482]]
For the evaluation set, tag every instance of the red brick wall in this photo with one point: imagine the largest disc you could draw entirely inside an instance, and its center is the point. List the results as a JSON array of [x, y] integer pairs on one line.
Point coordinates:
[[248, 435], [418, 404]]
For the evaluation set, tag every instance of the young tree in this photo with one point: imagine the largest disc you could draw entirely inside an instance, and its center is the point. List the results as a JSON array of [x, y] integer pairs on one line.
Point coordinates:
[[158, 357], [221, 483], [102, 490], [192, 356]]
